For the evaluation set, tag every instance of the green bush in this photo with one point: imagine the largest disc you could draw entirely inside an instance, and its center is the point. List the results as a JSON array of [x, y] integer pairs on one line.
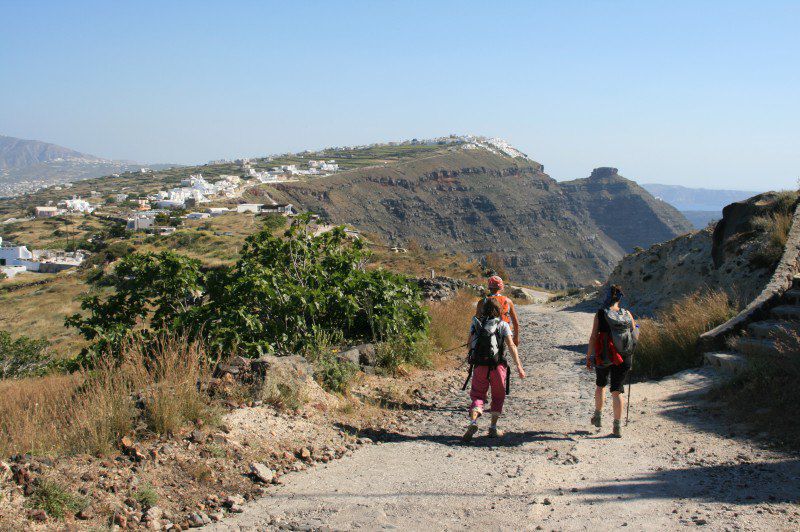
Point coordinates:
[[146, 496], [281, 294], [22, 357], [334, 374]]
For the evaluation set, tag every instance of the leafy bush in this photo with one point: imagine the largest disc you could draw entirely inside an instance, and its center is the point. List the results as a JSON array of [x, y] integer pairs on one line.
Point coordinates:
[[279, 295], [393, 354], [22, 357], [153, 292], [669, 343]]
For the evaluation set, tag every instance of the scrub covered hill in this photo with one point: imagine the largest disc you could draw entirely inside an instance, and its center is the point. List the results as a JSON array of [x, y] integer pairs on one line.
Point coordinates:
[[481, 202]]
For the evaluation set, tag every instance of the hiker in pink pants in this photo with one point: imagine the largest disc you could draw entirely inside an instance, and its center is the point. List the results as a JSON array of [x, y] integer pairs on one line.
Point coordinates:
[[484, 377], [489, 335]]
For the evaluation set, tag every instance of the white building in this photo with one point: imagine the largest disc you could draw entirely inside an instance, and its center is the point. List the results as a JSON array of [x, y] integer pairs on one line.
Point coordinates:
[[46, 211], [218, 211], [249, 207], [77, 205], [280, 208], [140, 223], [12, 271], [197, 215]]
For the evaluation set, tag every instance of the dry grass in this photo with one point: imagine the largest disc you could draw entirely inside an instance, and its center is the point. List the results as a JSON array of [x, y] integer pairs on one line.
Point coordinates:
[[449, 327], [776, 226], [90, 411], [38, 311], [669, 343]]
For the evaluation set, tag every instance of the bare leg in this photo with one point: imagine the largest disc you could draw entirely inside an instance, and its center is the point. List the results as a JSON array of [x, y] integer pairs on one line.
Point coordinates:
[[616, 400], [598, 398]]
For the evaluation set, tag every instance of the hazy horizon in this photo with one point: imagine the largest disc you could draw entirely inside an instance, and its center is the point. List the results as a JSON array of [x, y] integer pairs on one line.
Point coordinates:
[[699, 95]]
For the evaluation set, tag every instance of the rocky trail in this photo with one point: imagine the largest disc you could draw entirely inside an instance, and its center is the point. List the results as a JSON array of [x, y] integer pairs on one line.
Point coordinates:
[[680, 463]]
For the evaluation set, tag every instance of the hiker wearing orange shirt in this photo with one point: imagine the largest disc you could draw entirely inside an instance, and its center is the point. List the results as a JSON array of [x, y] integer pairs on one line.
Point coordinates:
[[509, 313]]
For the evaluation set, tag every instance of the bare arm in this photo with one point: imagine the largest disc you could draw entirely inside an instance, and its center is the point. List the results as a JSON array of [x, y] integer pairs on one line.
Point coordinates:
[[513, 348], [592, 339], [514, 321]]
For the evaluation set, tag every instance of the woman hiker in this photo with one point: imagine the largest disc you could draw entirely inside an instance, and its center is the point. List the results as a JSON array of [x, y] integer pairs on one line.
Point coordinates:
[[607, 361], [488, 337], [509, 313]]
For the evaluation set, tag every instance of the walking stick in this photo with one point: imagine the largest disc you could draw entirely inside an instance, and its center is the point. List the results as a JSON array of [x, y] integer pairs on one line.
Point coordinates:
[[630, 385]]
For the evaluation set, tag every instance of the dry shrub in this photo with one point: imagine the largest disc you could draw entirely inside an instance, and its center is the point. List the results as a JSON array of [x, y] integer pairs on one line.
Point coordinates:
[[669, 342], [88, 412], [776, 226], [450, 322], [170, 374]]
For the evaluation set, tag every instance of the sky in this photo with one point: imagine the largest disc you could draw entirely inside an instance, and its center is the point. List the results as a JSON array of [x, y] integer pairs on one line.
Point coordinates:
[[701, 94]]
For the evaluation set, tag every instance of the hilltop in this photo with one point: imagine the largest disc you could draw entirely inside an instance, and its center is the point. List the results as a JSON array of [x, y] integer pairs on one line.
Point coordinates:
[[29, 165], [465, 195]]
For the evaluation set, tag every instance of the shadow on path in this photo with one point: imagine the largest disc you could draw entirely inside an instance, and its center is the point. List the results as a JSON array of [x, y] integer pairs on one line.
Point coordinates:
[[748, 483], [510, 439]]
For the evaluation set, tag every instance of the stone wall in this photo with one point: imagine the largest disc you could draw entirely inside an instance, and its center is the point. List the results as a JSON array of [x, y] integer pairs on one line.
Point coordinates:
[[781, 281]]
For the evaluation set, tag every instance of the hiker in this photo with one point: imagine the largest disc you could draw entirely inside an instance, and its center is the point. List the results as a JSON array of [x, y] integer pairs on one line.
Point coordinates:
[[509, 313], [610, 347], [489, 335]]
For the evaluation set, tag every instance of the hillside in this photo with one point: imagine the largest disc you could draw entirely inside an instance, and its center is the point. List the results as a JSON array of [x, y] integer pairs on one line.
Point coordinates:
[[454, 195], [29, 165], [476, 202], [625, 211]]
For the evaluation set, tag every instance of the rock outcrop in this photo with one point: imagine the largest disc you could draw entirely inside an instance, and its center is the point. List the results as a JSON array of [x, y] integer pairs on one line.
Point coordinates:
[[725, 257]]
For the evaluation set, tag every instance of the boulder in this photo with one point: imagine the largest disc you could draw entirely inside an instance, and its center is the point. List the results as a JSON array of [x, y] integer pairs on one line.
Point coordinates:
[[366, 354], [292, 365], [262, 473], [351, 356]]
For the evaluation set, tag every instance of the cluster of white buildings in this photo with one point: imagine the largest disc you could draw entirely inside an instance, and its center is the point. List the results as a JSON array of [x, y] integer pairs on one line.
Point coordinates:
[[195, 190], [18, 259], [69, 206]]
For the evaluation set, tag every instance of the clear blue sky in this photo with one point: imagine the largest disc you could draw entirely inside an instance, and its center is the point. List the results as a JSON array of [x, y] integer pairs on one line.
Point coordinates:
[[693, 93]]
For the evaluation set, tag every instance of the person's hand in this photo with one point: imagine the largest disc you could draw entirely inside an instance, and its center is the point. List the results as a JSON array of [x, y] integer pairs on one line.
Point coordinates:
[[521, 373], [588, 365]]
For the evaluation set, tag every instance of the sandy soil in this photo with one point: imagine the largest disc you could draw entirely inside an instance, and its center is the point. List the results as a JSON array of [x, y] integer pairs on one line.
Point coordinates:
[[680, 464]]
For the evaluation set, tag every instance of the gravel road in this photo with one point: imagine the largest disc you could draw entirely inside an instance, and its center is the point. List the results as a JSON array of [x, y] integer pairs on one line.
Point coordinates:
[[680, 464]]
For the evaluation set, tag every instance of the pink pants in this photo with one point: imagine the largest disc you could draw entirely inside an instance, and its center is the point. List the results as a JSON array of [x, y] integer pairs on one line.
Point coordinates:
[[482, 380]]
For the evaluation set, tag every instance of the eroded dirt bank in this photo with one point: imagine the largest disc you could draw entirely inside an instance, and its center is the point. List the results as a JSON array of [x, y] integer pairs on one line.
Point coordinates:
[[679, 463]]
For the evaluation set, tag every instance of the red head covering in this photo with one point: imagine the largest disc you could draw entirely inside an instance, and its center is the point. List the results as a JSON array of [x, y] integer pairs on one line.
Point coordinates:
[[495, 283]]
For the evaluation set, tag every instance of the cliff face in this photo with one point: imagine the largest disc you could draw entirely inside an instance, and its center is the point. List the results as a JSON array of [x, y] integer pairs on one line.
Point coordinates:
[[625, 211], [479, 202], [725, 257]]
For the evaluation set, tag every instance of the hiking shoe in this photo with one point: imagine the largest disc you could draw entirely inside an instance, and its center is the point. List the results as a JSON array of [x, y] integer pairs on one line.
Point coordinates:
[[471, 430], [617, 432], [597, 419], [494, 432]]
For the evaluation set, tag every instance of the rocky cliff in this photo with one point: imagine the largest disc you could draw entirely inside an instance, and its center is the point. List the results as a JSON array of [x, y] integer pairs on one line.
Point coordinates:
[[479, 202], [729, 256]]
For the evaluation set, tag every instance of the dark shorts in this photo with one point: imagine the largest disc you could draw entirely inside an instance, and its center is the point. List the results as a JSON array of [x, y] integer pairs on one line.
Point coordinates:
[[617, 374]]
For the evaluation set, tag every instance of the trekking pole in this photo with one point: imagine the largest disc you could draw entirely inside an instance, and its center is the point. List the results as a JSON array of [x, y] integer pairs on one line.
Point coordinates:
[[630, 385], [454, 348]]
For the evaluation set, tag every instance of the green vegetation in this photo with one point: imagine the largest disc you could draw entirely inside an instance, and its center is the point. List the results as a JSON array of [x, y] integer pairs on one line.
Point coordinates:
[[55, 500], [668, 343], [277, 298], [22, 357], [146, 495]]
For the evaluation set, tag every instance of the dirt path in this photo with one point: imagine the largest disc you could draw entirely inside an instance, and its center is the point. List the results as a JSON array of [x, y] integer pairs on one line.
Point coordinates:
[[678, 464]]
